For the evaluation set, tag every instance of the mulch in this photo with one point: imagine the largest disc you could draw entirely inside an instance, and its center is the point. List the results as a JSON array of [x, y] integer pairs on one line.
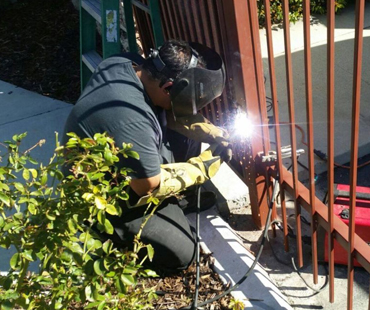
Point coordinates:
[[178, 290], [39, 47], [39, 51]]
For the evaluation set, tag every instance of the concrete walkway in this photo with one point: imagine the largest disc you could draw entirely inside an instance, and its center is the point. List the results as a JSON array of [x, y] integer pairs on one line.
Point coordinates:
[[344, 48]]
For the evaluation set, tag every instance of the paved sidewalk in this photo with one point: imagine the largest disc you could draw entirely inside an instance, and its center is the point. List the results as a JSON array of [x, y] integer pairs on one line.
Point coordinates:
[[344, 50]]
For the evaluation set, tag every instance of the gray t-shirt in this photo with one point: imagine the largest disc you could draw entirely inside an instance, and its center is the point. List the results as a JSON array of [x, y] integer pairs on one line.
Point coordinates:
[[114, 101]]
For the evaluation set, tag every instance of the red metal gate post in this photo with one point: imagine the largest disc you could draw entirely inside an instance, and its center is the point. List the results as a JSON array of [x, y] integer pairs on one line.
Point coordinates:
[[242, 31]]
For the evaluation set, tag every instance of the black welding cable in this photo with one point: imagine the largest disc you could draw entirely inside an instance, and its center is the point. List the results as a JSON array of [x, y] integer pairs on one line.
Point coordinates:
[[265, 235], [297, 270]]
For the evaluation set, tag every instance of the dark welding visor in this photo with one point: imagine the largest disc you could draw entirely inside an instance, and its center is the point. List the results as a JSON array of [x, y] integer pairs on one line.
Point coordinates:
[[196, 87]]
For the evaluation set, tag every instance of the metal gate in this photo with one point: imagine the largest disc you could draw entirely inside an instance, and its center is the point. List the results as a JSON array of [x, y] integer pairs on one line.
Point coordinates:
[[231, 28]]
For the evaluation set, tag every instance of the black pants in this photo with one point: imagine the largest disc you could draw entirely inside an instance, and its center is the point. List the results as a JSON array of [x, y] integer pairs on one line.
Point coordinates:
[[168, 231]]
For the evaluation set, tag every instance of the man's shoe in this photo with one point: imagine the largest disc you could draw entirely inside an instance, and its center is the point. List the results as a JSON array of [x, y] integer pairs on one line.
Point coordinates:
[[188, 204]]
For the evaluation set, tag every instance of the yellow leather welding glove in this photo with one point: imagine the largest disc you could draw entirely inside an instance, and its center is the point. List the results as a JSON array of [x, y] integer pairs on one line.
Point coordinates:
[[198, 128], [178, 176]]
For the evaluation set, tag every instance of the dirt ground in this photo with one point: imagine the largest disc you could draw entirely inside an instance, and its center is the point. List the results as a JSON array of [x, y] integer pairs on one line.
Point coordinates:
[[39, 47]]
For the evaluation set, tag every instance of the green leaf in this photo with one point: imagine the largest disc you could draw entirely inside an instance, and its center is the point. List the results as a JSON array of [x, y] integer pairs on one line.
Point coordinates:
[[87, 196], [50, 217], [104, 168], [27, 255], [19, 186], [4, 186], [97, 176], [150, 250], [92, 305], [100, 202], [5, 199], [15, 261], [44, 178], [75, 247], [10, 294], [36, 193], [32, 208], [113, 191], [120, 286], [111, 209], [32, 161], [98, 267], [107, 246], [132, 154], [108, 155], [128, 279], [26, 174], [2, 222], [101, 305], [150, 273], [90, 243], [130, 270], [111, 274], [8, 226], [18, 215], [20, 137], [72, 226], [108, 227], [123, 196], [66, 256], [33, 172], [101, 217]]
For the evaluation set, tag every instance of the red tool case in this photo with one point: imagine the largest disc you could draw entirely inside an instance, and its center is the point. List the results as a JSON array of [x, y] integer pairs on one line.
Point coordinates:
[[362, 218]]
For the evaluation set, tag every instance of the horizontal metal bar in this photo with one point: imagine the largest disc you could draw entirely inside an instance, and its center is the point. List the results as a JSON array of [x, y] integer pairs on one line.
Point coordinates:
[[91, 59], [141, 6], [361, 248], [93, 8]]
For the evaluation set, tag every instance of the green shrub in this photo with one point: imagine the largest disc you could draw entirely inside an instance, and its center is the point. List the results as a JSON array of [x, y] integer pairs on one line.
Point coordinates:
[[48, 218], [295, 9]]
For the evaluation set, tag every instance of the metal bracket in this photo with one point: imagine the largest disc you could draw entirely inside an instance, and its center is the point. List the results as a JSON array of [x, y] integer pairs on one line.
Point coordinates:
[[286, 152]]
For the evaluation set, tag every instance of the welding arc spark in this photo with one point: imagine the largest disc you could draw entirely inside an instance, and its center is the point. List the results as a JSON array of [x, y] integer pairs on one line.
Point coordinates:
[[242, 126]]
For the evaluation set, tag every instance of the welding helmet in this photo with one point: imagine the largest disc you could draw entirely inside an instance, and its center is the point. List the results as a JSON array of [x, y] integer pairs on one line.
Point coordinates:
[[195, 87]]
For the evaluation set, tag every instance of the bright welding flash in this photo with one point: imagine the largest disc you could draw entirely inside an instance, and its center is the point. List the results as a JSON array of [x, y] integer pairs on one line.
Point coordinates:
[[243, 126]]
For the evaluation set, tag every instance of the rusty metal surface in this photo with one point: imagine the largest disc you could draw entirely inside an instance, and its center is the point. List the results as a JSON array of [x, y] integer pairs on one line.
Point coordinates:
[[361, 249], [275, 108], [356, 95], [310, 134], [330, 122], [293, 139]]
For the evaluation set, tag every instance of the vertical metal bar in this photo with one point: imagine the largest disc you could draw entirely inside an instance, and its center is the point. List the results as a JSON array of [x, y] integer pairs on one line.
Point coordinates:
[[212, 37], [174, 21], [289, 75], [311, 163], [198, 23], [155, 15], [167, 30], [356, 97], [330, 121], [275, 106], [130, 25], [245, 65], [182, 22]]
